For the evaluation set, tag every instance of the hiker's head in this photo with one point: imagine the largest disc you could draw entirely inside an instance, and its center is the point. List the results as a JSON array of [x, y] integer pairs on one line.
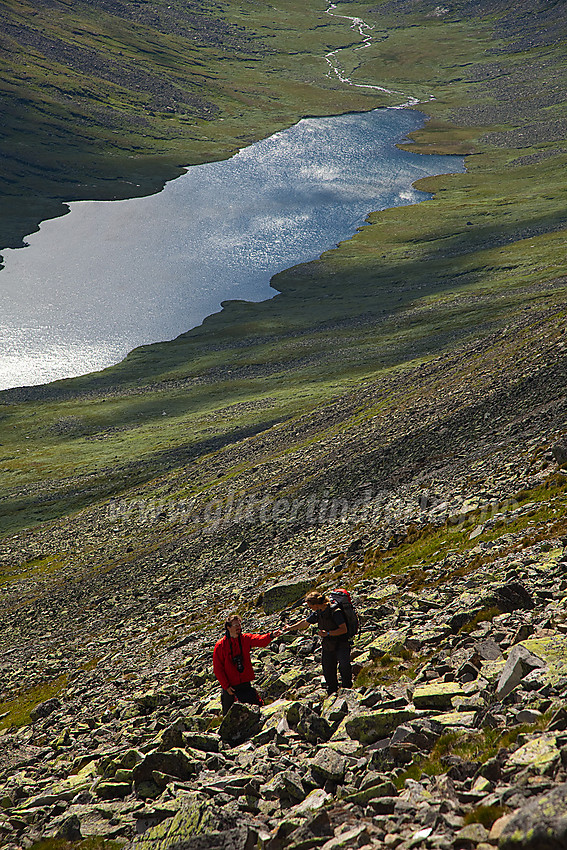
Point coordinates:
[[317, 601], [233, 626]]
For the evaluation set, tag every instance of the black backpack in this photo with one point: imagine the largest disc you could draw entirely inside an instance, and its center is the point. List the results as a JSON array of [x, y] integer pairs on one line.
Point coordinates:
[[342, 599]]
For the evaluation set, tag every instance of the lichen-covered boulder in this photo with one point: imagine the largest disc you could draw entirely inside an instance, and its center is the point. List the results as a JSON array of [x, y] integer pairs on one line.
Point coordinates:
[[312, 833], [207, 743], [391, 642], [509, 597], [539, 825], [285, 593], [70, 828], [471, 835], [559, 451], [113, 790], [44, 709], [335, 708], [437, 696], [314, 801], [373, 792], [540, 755], [175, 763], [274, 688], [329, 764], [552, 649], [456, 718], [240, 723], [149, 701], [428, 636], [198, 825], [302, 833], [108, 766], [273, 714], [369, 727], [286, 785]]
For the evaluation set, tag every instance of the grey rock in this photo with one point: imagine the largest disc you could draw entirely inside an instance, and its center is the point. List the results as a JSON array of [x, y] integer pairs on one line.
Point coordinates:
[[198, 825], [241, 722], [113, 790], [370, 727], [311, 727], [274, 687], [541, 824], [313, 833], [70, 829], [528, 715], [558, 722], [283, 594], [147, 702], [520, 662], [381, 789], [329, 764], [383, 805], [559, 451], [44, 709], [510, 597], [491, 769], [335, 712], [174, 763], [357, 836], [208, 743], [471, 835], [287, 785], [488, 650]]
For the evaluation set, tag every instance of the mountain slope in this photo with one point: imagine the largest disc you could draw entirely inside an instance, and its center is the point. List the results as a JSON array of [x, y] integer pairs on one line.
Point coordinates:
[[393, 422]]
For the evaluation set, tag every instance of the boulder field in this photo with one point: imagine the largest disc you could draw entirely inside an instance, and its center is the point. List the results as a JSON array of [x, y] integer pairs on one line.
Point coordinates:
[[454, 736]]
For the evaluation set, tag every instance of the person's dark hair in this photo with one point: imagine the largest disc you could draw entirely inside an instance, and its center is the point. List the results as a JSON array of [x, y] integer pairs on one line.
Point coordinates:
[[317, 598], [230, 619]]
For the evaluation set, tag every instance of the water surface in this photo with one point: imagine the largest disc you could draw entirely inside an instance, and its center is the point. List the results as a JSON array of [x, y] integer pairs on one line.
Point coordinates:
[[112, 275]]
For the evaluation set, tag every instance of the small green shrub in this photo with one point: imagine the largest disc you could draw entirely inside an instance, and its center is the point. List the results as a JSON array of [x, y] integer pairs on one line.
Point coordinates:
[[485, 815], [476, 746], [486, 615], [389, 668]]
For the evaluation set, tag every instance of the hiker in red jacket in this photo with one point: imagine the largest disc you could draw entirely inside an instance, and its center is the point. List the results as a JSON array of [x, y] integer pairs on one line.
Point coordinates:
[[232, 664]]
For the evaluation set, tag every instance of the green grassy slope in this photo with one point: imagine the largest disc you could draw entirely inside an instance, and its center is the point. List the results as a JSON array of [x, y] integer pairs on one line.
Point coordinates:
[[480, 256]]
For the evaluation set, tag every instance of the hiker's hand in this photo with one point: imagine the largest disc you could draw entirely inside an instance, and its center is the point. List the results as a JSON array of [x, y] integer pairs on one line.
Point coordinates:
[[323, 634], [231, 691]]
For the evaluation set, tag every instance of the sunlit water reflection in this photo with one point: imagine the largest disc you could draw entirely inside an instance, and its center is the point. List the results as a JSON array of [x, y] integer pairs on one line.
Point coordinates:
[[109, 276]]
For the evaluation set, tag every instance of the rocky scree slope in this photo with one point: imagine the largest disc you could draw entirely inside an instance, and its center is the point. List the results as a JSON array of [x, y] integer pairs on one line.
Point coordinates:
[[449, 529]]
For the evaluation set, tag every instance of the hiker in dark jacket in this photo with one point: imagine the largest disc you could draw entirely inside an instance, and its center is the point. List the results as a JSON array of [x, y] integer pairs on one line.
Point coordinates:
[[334, 639], [232, 665]]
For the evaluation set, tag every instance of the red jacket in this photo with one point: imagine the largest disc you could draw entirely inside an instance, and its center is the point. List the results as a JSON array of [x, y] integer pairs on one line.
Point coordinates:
[[225, 670]]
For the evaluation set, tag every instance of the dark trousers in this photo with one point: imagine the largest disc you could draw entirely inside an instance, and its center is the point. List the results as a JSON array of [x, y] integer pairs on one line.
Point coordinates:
[[340, 655], [244, 693]]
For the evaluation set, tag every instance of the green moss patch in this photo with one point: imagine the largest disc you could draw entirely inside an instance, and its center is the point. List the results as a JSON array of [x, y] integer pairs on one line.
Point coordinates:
[[18, 710]]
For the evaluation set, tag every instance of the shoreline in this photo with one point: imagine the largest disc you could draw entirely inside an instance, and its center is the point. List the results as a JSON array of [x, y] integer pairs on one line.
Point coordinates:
[[272, 276]]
